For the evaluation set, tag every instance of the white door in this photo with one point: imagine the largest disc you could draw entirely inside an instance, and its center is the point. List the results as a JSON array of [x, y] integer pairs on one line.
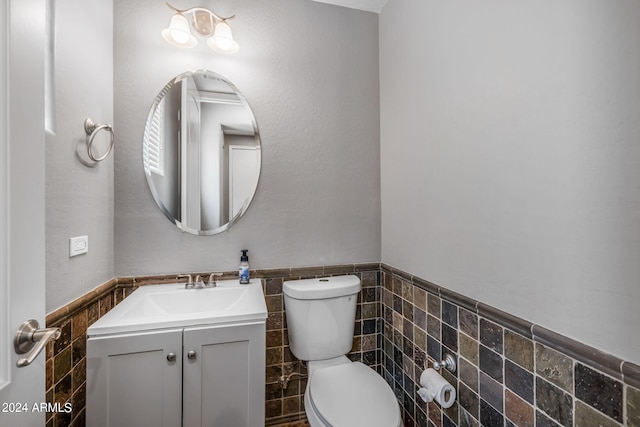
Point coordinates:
[[22, 205], [244, 167]]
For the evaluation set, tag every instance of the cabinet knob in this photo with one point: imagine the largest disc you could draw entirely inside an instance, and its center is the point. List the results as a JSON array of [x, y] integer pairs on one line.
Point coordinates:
[[171, 357], [191, 355]]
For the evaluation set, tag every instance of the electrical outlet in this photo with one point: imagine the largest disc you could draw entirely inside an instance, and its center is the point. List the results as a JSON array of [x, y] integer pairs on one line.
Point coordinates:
[[78, 245]]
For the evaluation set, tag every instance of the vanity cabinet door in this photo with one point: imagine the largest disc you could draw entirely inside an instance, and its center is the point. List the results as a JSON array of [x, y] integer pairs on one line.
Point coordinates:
[[224, 376], [134, 380]]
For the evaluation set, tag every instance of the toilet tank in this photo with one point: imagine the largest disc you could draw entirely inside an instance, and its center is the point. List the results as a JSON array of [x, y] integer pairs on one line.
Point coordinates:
[[321, 315]]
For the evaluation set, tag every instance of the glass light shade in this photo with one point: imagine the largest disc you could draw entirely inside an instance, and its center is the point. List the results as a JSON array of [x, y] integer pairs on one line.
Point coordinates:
[[178, 32], [222, 40]]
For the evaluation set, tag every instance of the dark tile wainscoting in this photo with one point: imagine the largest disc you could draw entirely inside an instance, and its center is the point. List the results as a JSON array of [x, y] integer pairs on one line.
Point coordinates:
[[511, 372], [66, 358]]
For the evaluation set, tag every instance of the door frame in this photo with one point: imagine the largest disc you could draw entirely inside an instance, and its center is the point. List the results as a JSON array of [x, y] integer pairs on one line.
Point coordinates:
[[5, 352]]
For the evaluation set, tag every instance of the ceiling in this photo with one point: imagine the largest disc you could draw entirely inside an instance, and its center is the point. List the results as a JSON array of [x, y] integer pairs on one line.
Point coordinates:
[[368, 5]]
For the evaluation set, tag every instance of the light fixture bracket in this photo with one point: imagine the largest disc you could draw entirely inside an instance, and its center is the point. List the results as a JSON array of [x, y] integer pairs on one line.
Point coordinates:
[[202, 23]]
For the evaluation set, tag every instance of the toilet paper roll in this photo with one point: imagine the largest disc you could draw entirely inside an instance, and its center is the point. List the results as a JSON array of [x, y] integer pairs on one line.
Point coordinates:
[[435, 387]]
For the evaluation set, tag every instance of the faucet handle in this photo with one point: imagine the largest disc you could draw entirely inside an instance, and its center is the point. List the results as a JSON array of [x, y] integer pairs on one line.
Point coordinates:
[[213, 280], [189, 283]]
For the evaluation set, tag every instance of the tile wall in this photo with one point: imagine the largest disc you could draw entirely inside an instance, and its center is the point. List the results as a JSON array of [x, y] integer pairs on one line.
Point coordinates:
[[66, 358], [510, 372]]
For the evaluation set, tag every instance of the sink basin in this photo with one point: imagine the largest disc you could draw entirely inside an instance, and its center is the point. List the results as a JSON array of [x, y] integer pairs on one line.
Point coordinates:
[[166, 306], [174, 301]]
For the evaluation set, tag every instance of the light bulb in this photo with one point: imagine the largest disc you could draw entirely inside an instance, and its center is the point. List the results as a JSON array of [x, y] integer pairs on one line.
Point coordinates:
[[178, 32], [222, 40]]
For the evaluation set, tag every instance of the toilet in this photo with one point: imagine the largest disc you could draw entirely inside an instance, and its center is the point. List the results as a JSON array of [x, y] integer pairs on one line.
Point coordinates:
[[340, 393]]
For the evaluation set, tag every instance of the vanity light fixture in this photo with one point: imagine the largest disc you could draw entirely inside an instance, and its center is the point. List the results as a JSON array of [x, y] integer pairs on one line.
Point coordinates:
[[206, 24]]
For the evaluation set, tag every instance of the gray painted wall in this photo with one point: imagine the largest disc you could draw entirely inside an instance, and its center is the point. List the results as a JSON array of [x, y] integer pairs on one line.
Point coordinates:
[[310, 73], [510, 158], [79, 199]]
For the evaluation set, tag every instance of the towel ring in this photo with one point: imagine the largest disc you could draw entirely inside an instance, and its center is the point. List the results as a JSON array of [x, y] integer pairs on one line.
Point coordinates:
[[92, 128]]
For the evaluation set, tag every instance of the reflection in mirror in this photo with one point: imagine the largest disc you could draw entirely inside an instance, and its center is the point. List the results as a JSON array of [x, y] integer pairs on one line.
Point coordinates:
[[201, 152]]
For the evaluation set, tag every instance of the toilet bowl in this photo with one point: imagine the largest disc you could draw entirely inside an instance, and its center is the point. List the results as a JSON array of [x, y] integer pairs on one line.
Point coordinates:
[[350, 394], [340, 393]]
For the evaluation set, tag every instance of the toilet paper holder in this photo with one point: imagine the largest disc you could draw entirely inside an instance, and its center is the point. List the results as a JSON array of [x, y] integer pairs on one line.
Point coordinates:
[[434, 387], [449, 363]]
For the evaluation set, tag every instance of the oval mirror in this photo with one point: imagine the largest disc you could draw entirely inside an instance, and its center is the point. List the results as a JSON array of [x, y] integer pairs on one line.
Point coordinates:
[[201, 152]]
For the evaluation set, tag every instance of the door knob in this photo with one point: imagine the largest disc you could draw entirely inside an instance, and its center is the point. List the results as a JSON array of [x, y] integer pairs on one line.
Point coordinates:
[[191, 355], [32, 340], [171, 357]]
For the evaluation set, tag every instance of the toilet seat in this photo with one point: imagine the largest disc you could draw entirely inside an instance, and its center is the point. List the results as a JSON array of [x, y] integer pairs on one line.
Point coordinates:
[[352, 394]]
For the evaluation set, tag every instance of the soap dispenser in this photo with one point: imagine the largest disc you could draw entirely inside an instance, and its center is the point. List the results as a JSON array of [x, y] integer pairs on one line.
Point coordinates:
[[243, 272]]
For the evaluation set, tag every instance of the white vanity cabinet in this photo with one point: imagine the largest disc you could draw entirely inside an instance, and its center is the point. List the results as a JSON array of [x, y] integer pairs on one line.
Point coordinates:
[[210, 375], [167, 356]]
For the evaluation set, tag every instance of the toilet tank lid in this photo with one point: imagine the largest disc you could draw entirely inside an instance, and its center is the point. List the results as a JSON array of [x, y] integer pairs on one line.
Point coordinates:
[[322, 287]]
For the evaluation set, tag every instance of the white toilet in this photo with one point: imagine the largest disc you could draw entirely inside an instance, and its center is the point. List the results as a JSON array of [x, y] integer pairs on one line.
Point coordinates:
[[340, 393]]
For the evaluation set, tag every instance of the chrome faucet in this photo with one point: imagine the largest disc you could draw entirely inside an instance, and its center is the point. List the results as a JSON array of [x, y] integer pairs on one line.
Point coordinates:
[[213, 280], [199, 283], [189, 283]]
